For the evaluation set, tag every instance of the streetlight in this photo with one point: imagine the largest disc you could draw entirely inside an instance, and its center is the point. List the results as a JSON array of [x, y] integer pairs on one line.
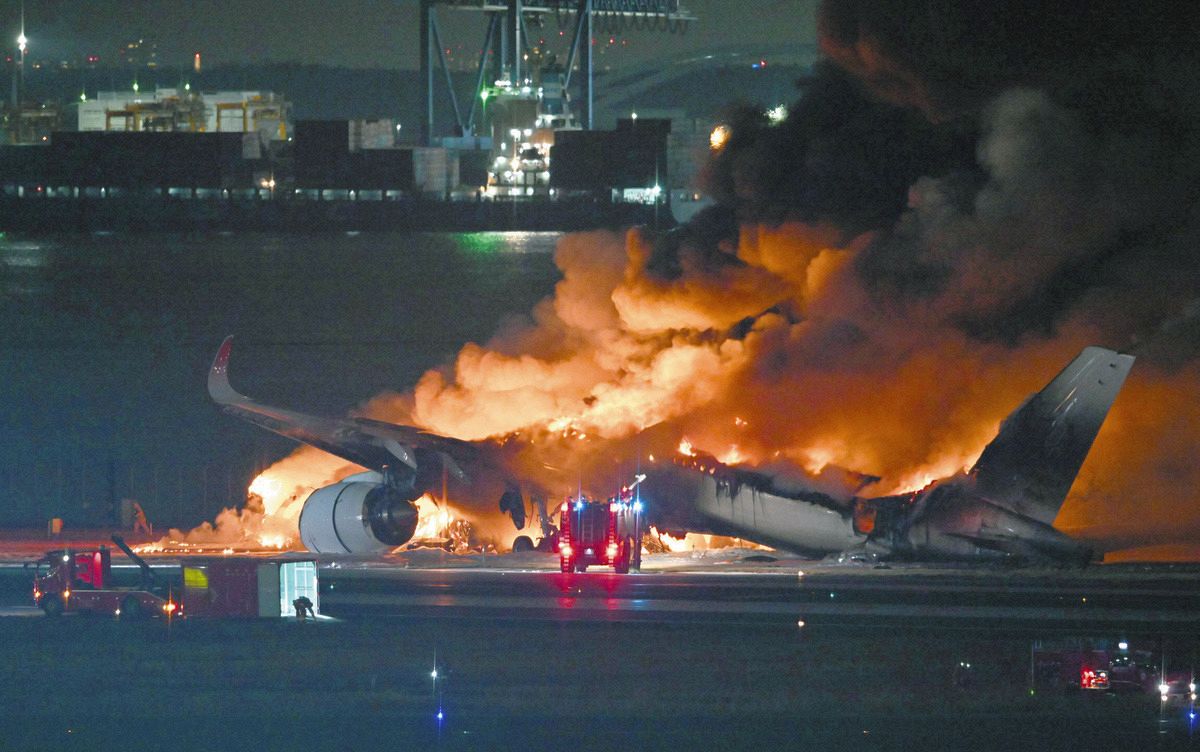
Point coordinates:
[[22, 45]]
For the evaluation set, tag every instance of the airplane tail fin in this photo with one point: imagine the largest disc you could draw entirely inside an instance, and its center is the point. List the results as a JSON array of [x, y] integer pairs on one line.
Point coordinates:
[[1030, 465]]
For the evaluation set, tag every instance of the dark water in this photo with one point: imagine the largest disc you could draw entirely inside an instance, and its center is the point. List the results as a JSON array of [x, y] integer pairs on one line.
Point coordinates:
[[105, 341]]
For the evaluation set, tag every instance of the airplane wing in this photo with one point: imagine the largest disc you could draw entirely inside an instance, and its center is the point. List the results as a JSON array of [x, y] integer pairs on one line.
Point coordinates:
[[371, 443]]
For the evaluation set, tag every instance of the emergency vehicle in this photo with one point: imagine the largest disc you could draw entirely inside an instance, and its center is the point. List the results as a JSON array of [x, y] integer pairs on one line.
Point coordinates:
[[606, 533], [82, 581], [78, 581]]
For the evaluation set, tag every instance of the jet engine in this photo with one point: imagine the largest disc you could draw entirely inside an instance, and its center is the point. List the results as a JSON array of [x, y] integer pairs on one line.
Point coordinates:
[[358, 515]]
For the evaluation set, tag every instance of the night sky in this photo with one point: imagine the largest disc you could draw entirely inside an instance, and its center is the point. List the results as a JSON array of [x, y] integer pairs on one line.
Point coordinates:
[[354, 33]]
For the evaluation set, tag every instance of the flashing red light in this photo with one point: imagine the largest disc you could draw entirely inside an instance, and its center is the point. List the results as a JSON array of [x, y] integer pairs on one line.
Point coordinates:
[[1092, 679]]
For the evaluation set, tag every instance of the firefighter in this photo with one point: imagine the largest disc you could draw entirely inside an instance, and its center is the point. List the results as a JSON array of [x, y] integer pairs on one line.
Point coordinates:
[[303, 606]]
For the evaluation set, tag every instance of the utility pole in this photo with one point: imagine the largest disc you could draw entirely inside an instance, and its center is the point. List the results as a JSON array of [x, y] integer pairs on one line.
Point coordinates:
[[22, 45]]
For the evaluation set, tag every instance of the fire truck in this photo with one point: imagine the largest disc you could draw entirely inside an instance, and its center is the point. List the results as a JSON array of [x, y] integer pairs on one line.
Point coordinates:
[[73, 581], [606, 533], [69, 581], [1099, 665]]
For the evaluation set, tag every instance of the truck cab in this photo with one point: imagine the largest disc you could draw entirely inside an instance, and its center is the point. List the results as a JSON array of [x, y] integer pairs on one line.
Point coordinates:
[[72, 581]]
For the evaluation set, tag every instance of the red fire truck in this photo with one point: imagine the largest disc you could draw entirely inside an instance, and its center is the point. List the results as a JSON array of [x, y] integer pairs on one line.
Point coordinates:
[[82, 581], [70, 581], [607, 533]]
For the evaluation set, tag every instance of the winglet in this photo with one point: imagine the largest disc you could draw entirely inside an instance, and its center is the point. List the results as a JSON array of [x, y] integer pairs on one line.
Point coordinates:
[[218, 377]]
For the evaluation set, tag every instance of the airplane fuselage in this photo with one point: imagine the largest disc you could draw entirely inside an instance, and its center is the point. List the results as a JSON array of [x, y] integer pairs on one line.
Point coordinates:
[[947, 520]]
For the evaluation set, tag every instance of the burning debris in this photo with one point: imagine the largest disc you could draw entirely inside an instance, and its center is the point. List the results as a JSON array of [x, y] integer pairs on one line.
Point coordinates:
[[939, 206]]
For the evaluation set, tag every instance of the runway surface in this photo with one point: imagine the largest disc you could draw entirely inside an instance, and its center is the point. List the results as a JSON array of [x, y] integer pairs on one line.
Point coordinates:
[[736, 587], [702, 651], [772, 597], [730, 585]]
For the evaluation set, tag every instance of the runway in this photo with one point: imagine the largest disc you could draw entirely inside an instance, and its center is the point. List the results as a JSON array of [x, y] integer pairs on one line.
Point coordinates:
[[970, 599], [725, 586]]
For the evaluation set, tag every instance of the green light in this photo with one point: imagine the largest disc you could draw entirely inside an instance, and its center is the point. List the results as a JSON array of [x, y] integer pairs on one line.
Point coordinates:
[[484, 95], [481, 242], [135, 86], [83, 96], [187, 87]]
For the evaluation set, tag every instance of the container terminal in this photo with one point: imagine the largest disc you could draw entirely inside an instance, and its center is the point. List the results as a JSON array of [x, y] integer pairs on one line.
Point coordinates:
[[523, 152]]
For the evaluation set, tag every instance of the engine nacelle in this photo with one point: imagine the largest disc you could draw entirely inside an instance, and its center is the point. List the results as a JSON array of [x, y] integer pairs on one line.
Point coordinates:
[[359, 515]]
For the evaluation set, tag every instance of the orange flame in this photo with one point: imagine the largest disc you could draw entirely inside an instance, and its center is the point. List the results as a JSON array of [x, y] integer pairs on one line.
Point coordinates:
[[837, 381], [433, 519]]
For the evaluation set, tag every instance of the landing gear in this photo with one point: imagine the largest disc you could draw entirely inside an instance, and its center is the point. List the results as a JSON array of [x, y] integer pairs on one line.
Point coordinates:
[[624, 554]]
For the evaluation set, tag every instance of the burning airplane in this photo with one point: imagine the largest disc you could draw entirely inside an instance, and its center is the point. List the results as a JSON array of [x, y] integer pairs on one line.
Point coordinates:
[[1003, 508]]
